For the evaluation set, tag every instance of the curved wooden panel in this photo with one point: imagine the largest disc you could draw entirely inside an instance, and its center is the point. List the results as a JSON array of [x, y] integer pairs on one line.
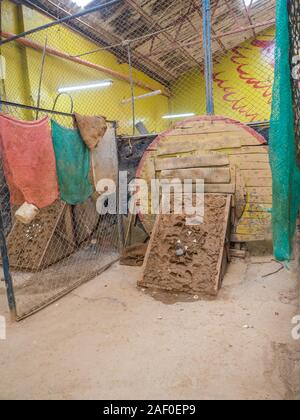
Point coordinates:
[[235, 153]]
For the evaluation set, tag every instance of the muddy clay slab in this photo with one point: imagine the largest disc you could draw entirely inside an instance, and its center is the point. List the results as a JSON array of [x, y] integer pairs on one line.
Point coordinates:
[[190, 259]]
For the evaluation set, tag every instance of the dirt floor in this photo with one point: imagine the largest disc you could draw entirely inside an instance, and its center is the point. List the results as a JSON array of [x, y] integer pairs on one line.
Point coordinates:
[[110, 340]]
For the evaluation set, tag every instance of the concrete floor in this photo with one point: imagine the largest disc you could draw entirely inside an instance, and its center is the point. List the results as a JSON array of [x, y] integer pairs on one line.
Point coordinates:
[[109, 340]]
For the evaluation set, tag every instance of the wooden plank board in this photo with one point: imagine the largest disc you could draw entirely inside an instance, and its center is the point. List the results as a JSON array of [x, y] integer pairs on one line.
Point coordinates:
[[251, 229], [264, 200], [252, 158], [250, 237], [198, 161], [213, 188], [105, 158], [251, 226], [225, 138], [202, 124], [251, 166], [219, 188], [258, 182], [238, 253], [257, 215], [255, 222], [210, 175], [186, 145], [262, 173], [259, 191], [246, 150], [224, 255], [150, 168], [240, 194], [208, 128], [258, 207]]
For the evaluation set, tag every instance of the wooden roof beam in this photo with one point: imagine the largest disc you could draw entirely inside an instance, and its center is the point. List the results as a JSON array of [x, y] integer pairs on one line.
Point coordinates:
[[267, 24], [248, 16], [110, 39], [150, 20]]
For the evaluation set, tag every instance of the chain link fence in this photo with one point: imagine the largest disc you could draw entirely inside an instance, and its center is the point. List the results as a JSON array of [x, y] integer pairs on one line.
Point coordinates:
[[150, 50], [62, 248], [138, 63]]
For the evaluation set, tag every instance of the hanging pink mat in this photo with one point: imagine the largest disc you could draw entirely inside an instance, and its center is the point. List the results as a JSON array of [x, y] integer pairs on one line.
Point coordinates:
[[29, 162]]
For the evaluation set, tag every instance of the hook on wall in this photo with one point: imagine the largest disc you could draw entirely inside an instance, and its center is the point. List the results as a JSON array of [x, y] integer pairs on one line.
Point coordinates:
[[57, 98]]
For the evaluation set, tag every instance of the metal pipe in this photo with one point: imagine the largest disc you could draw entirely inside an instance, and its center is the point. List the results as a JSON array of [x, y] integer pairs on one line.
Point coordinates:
[[41, 78], [6, 271], [132, 88], [120, 220], [46, 111], [60, 21], [208, 60], [56, 53], [146, 95], [71, 101]]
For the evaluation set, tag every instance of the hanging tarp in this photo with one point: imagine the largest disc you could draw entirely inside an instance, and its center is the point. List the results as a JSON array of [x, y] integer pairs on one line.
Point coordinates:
[[92, 129], [73, 164], [286, 175], [29, 161]]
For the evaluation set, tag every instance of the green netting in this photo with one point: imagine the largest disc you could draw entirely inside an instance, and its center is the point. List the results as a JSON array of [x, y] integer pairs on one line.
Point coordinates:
[[286, 175]]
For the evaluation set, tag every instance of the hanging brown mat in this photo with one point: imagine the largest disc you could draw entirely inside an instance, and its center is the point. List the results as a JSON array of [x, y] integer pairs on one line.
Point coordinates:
[[92, 129]]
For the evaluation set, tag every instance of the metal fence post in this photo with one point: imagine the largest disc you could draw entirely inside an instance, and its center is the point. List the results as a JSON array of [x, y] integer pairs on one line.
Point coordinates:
[[207, 47], [121, 236], [6, 272]]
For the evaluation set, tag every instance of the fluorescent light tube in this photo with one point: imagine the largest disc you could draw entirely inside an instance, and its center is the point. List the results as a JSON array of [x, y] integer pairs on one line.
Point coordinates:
[[104, 83], [171, 117]]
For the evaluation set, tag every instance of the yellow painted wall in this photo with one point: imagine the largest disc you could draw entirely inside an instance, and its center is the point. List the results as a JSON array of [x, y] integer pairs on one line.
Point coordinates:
[[24, 64], [16, 81], [242, 83]]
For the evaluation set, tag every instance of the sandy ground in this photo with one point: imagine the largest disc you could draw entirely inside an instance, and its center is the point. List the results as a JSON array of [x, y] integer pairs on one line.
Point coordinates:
[[109, 340]]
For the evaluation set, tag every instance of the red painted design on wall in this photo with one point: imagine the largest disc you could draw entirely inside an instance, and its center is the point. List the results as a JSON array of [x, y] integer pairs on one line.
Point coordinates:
[[240, 58], [236, 104]]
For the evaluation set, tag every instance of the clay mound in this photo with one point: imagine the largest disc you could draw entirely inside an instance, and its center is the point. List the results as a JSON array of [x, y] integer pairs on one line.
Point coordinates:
[[202, 267]]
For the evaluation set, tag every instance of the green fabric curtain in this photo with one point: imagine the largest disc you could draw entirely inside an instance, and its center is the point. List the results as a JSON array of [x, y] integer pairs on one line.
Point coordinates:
[[286, 175], [73, 164]]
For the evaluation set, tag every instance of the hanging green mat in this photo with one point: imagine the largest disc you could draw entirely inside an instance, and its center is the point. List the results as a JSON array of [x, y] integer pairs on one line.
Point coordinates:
[[72, 163], [286, 175]]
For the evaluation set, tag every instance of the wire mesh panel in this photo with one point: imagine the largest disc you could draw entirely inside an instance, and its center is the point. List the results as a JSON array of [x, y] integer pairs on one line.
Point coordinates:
[[151, 51], [62, 248], [294, 21]]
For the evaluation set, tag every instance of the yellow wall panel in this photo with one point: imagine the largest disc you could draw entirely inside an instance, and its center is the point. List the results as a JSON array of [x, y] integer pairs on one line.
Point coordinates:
[[243, 82]]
